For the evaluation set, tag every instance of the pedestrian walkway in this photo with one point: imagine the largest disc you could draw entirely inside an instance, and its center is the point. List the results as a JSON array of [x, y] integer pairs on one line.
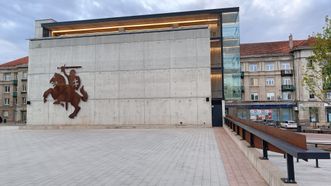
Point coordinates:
[[113, 157], [237, 167]]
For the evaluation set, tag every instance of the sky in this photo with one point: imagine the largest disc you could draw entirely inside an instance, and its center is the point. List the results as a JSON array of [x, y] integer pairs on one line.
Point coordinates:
[[260, 20]]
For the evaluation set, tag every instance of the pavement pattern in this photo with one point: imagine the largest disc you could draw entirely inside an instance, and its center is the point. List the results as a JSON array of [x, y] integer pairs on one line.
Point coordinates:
[[110, 157], [240, 171]]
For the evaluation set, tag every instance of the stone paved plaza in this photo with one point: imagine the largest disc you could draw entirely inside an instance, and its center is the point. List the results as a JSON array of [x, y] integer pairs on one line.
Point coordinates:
[[110, 157]]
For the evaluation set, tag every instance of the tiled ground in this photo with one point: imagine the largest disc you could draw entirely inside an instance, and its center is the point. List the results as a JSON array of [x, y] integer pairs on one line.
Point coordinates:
[[305, 172], [110, 157], [239, 170]]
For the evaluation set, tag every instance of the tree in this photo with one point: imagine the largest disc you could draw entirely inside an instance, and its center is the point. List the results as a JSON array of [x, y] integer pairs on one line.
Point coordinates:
[[318, 72]]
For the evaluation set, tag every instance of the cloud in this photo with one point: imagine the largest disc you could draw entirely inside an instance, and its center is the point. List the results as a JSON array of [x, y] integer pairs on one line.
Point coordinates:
[[260, 20]]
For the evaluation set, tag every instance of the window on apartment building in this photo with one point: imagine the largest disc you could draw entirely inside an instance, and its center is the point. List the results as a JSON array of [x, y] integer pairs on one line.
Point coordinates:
[[328, 95], [270, 96], [6, 76], [254, 82], [25, 75], [6, 101], [310, 63], [15, 76], [24, 87], [270, 67], [287, 95], [286, 81], [7, 88], [24, 100], [15, 101], [254, 96], [270, 81], [286, 66], [311, 96], [252, 67], [5, 113]]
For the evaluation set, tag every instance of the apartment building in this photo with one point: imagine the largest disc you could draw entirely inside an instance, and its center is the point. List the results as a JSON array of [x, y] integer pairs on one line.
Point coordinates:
[[13, 91], [272, 87]]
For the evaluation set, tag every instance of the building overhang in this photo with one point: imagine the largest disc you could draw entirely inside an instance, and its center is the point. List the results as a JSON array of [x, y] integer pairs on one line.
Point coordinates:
[[139, 22]]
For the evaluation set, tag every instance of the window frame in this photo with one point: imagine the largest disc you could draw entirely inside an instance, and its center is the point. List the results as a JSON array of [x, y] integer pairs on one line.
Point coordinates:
[[252, 69], [5, 101], [268, 65], [7, 89], [255, 96], [286, 64], [269, 80], [272, 97]]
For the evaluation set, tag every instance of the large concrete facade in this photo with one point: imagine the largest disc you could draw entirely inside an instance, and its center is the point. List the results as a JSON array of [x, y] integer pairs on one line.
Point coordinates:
[[138, 78]]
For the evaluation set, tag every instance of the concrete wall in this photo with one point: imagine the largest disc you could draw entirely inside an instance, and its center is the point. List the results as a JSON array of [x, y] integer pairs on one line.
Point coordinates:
[[132, 79]]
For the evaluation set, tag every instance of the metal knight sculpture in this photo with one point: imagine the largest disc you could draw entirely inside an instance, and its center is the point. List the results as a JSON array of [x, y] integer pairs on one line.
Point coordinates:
[[64, 93]]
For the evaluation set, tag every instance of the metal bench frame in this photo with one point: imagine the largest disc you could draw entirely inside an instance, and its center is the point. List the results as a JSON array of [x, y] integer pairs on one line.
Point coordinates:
[[289, 149]]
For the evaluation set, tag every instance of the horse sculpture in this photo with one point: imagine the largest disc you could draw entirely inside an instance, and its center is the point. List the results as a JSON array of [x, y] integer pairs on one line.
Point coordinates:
[[63, 93]]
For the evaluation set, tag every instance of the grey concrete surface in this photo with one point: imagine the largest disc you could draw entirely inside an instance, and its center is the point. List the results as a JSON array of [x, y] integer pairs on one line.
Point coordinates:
[[305, 172], [131, 78], [110, 157]]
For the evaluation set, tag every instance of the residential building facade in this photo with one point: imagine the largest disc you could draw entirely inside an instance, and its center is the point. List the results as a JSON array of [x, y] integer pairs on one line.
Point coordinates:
[[13, 91], [272, 80]]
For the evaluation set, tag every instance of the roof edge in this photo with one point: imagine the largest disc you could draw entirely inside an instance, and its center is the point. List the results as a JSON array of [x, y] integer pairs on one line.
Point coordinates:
[[64, 23]]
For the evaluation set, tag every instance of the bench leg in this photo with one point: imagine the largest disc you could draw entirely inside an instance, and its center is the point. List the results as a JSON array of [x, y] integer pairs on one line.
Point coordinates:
[[251, 140], [290, 170], [316, 163], [265, 150], [244, 134]]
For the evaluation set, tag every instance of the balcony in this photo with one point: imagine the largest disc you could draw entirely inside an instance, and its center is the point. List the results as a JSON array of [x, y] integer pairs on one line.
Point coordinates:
[[286, 72], [15, 82], [15, 94], [242, 75], [288, 88]]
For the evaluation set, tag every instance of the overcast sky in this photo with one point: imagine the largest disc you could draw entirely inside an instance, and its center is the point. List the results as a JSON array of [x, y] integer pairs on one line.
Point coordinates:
[[260, 20]]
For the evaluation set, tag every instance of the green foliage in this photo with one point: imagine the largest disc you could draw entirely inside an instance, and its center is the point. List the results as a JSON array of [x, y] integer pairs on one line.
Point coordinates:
[[318, 71]]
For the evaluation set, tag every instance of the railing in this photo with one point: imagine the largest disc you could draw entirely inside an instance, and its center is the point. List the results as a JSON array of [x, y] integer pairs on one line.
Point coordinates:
[[273, 139], [286, 72], [288, 88]]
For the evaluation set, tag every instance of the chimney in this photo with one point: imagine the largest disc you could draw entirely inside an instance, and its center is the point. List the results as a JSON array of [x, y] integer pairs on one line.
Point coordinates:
[[290, 41]]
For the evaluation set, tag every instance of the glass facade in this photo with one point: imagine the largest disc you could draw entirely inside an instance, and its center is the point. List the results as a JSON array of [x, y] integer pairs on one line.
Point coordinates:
[[231, 55], [225, 58]]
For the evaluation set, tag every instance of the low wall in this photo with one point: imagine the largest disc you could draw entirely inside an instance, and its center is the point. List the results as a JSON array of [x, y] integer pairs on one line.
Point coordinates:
[[270, 173]]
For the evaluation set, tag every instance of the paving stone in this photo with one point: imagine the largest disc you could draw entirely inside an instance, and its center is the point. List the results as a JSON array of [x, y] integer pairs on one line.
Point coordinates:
[[110, 157]]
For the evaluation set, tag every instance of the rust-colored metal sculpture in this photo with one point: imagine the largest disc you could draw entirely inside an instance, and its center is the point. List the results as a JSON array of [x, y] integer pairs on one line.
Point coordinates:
[[64, 93]]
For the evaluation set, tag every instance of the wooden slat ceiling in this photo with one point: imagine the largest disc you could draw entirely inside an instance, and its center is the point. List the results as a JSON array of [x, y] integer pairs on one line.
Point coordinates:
[[136, 24]]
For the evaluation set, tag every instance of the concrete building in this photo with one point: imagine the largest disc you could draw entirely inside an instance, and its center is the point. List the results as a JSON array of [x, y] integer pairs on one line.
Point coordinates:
[[161, 69], [13, 91], [272, 79]]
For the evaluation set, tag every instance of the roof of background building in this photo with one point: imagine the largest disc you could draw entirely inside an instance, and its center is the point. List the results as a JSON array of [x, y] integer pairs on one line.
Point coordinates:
[[277, 47], [16, 62]]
